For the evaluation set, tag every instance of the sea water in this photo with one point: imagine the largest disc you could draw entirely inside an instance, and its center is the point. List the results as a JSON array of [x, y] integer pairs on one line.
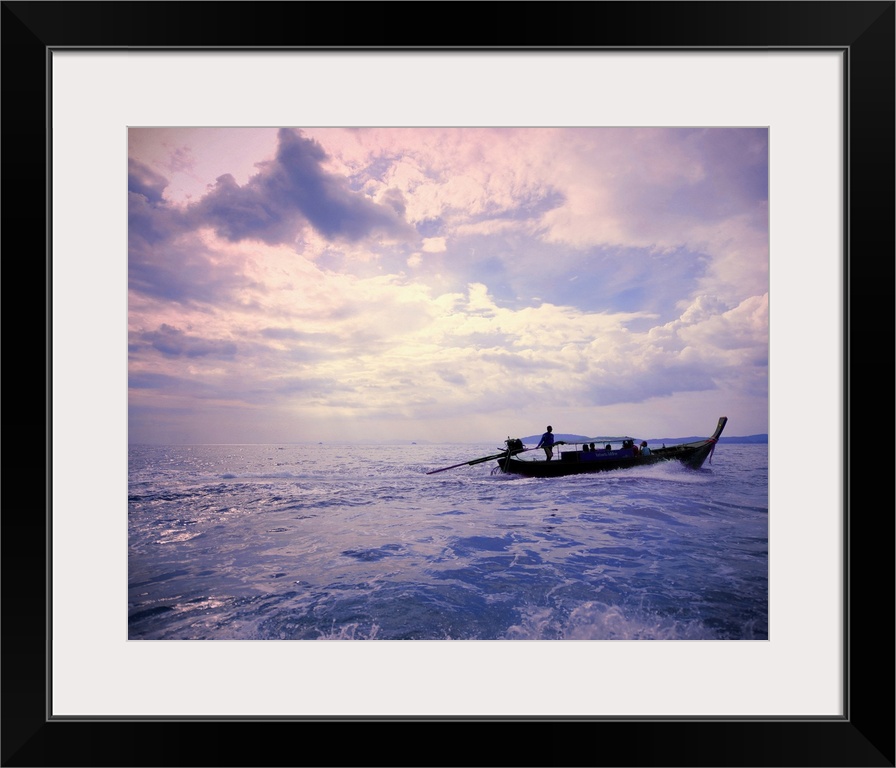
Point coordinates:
[[358, 542]]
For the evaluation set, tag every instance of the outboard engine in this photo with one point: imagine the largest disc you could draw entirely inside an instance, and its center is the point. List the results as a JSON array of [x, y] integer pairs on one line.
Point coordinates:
[[514, 444]]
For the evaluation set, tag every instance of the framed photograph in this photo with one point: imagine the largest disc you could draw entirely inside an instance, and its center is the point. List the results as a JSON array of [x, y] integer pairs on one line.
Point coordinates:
[[86, 85]]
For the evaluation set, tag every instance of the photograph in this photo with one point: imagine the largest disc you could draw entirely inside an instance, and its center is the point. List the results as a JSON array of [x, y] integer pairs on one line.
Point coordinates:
[[531, 343], [329, 327]]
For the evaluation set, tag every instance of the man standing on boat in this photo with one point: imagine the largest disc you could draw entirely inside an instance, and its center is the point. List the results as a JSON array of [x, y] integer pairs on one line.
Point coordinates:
[[547, 442]]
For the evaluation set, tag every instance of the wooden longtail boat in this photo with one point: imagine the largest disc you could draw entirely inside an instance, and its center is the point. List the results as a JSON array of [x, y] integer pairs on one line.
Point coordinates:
[[578, 461]]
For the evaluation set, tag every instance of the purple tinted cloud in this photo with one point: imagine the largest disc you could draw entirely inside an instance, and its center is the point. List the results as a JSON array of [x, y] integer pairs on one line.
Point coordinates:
[[144, 181], [662, 232], [183, 271], [294, 190], [289, 193], [150, 219], [173, 342]]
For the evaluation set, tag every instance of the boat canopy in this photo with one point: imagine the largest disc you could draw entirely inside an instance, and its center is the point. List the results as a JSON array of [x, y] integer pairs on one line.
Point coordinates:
[[603, 439]]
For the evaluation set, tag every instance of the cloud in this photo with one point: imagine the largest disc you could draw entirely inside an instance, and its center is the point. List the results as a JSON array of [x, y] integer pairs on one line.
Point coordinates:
[[173, 342], [150, 219], [372, 281], [294, 190], [186, 270], [434, 245], [287, 194], [145, 182]]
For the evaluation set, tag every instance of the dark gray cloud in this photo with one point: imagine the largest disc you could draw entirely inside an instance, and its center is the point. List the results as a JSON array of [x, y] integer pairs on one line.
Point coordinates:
[[733, 180], [451, 377], [289, 334], [145, 380], [287, 194], [395, 200], [151, 219], [144, 181], [173, 342], [183, 271], [294, 190]]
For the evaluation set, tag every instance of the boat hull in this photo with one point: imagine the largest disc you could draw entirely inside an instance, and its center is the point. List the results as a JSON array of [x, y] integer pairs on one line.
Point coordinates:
[[692, 455]]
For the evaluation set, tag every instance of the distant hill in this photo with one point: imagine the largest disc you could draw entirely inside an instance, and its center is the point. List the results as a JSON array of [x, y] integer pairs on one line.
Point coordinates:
[[759, 439], [756, 439]]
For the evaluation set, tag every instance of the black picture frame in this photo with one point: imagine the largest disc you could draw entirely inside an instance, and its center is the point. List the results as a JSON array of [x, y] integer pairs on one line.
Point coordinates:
[[863, 31]]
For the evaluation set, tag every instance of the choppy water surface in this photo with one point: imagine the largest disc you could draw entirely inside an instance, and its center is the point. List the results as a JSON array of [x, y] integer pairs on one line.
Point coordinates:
[[328, 542]]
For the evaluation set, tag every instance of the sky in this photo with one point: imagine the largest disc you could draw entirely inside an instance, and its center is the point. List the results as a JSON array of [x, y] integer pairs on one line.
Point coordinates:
[[445, 285]]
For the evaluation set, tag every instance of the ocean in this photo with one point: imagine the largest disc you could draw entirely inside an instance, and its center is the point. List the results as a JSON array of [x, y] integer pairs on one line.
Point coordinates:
[[356, 542]]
